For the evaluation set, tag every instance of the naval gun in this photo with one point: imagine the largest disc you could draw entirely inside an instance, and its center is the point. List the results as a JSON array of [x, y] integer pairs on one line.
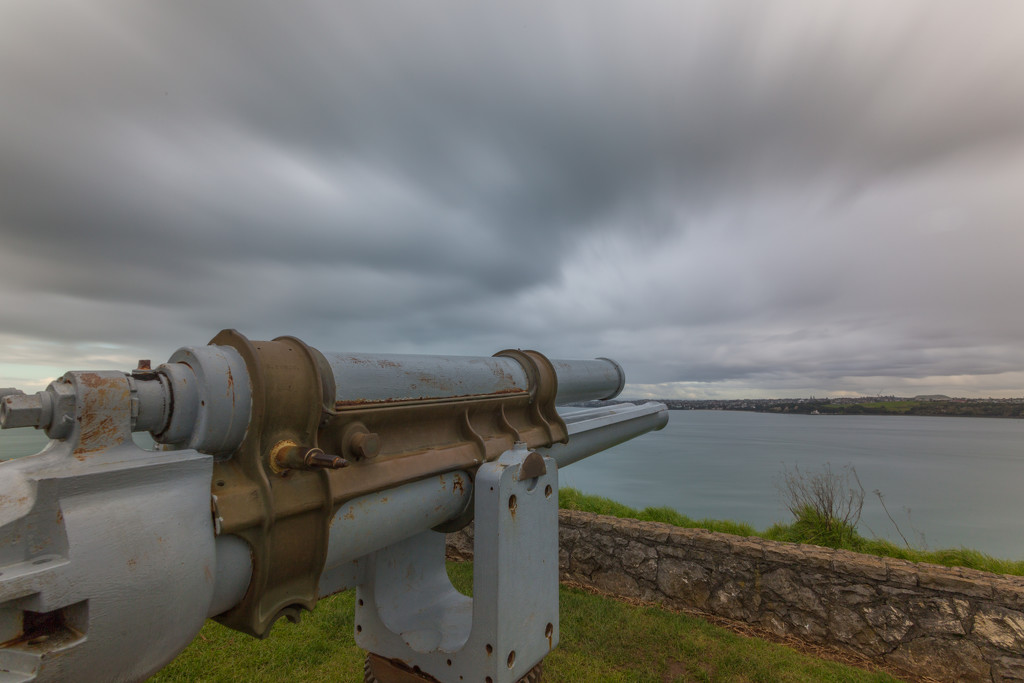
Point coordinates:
[[282, 474]]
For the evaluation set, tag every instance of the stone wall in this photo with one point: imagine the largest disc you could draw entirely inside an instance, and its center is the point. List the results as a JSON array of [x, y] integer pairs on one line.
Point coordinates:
[[947, 623]]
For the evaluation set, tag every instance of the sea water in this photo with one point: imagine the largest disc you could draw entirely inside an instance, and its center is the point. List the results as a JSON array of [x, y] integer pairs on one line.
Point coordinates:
[[947, 482]]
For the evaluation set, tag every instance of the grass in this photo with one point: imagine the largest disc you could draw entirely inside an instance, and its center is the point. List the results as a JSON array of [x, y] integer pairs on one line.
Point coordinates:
[[601, 640], [571, 499], [803, 530]]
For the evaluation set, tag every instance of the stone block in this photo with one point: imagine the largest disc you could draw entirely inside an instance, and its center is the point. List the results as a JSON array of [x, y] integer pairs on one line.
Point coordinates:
[[568, 535], [937, 615], [901, 572], [1009, 592], [648, 571], [807, 626], [731, 600], [954, 659], [746, 547], [1008, 669], [848, 628], [852, 593], [954, 580], [676, 551], [1000, 627], [634, 554], [816, 558], [863, 566], [654, 533], [785, 587], [889, 622], [781, 553], [616, 583], [684, 582], [680, 537]]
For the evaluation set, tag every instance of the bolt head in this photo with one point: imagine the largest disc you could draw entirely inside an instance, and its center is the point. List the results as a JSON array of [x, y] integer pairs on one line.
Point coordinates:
[[21, 411], [366, 445]]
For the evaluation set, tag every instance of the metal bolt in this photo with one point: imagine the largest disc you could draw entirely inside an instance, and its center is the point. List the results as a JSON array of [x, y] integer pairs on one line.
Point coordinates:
[[366, 444], [289, 455], [19, 410], [317, 458]]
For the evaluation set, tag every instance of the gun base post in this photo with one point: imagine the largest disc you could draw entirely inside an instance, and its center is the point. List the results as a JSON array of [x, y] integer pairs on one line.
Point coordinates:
[[409, 615]]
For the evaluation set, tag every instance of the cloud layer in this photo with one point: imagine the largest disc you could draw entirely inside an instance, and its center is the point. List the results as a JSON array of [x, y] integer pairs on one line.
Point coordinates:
[[779, 200]]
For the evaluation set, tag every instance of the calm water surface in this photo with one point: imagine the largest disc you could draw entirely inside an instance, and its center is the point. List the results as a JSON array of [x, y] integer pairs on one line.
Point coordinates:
[[960, 478]]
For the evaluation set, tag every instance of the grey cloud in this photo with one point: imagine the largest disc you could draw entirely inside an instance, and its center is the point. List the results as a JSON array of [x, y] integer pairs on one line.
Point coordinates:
[[712, 193]]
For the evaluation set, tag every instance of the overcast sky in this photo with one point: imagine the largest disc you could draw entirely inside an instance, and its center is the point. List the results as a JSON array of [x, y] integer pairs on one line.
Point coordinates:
[[730, 198]]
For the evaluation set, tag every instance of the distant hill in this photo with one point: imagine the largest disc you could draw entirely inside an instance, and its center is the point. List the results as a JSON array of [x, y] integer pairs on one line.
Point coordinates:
[[934, 405]]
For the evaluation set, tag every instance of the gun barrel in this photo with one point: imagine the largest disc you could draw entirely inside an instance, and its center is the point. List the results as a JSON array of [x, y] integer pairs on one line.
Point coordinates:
[[390, 377]]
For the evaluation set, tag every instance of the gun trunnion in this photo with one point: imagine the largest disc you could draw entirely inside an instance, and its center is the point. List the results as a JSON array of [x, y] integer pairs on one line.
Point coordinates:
[[282, 475]]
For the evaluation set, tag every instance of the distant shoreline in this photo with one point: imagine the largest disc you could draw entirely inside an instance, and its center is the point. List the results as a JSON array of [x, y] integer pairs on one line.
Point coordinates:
[[886, 405]]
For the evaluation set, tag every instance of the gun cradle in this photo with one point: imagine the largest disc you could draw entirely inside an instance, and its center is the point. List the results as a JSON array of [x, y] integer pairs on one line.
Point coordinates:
[[286, 474]]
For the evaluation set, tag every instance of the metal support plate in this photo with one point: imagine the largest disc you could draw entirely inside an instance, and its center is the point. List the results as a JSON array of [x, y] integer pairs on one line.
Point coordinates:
[[408, 612]]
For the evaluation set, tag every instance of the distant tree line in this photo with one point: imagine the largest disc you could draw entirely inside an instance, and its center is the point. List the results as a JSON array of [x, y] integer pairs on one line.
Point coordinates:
[[889, 405]]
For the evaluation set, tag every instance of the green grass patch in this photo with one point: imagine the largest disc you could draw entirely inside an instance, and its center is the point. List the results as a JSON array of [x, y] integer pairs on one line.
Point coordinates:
[[571, 499], [601, 640], [807, 529]]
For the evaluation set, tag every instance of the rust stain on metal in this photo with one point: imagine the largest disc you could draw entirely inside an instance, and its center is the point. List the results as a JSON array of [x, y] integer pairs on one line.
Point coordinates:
[[437, 383], [231, 387], [504, 377], [97, 435], [457, 485], [92, 380], [98, 429], [43, 630]]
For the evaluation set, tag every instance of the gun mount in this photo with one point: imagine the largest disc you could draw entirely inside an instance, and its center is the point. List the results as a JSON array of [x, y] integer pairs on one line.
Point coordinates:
[[282, 475]]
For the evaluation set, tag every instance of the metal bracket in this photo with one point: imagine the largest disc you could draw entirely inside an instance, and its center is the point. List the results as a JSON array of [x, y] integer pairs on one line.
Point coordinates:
[[407, 611], [94, 533]]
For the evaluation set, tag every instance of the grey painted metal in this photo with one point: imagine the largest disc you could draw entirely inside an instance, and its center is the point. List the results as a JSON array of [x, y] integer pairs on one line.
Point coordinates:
[[588, 380], [212, 398], [51, 409], [377, 520], [234, 571], [389, 377], [200, 399], [151, 403], [94, 532], [592, 430], [407, 608]]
